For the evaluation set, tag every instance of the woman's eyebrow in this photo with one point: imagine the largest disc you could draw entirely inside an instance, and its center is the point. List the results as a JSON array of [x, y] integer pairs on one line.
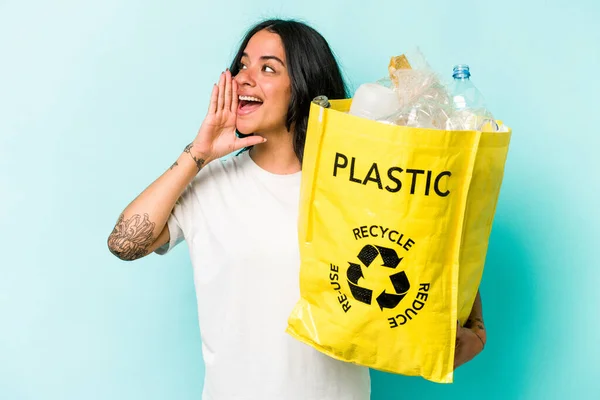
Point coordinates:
[[267, 58]]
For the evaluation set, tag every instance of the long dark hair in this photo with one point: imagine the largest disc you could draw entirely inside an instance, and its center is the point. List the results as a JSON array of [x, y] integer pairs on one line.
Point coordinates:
[[312, 68]]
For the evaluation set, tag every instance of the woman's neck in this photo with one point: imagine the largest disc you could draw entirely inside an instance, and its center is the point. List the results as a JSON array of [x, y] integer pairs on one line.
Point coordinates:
[[277, 154]]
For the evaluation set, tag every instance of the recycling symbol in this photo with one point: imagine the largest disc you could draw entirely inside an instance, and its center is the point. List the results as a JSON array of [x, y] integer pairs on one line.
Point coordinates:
[[399, 280]]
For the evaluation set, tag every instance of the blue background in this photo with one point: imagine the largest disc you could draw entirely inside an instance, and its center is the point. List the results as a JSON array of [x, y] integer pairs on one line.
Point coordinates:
[[97, 99]]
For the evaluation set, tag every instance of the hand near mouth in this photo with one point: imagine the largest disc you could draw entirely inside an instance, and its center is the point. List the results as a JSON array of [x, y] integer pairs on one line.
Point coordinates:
[[216, 137]]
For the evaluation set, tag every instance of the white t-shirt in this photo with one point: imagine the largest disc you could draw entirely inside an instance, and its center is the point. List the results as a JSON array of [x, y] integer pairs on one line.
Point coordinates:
[[240, 223]]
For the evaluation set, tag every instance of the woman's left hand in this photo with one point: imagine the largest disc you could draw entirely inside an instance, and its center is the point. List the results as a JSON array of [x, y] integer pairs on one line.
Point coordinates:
[[468, 345]]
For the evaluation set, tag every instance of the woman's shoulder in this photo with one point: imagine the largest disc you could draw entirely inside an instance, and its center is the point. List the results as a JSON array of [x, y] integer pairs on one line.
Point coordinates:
[[227, 168], [220, 177]]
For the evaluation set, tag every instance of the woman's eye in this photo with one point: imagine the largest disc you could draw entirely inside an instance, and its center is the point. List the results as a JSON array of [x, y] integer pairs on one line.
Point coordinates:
[[242, 66], [268, 69]]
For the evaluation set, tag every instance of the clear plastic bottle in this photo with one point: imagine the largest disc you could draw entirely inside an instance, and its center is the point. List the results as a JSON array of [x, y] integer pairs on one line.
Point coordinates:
[[469, 103]]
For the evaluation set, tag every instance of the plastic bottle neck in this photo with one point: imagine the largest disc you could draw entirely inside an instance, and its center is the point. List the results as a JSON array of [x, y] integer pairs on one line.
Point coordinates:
[[463, 82], [461, 71]]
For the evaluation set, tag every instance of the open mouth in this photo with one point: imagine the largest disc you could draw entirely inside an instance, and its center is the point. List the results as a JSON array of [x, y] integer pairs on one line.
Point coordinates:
[[248, 104]]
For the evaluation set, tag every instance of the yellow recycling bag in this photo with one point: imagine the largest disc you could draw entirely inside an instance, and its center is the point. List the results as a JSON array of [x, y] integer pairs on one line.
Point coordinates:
[[393, 232]]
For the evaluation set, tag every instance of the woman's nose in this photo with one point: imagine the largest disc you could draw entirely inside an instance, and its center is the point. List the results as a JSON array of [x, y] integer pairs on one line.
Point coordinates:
[[244, 78]]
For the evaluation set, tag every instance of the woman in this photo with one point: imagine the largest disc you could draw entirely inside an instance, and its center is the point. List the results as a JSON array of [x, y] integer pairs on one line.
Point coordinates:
[[239, 217]]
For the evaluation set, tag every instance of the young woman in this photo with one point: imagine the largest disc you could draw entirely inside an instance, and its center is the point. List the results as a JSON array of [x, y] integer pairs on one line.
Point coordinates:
[[239, 218]]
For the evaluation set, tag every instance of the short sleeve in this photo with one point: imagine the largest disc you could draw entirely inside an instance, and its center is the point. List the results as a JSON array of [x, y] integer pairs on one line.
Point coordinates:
[[176, 223], [175, 233]]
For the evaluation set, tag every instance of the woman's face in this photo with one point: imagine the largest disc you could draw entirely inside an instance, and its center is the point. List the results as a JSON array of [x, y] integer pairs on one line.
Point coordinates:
[[264, 86]]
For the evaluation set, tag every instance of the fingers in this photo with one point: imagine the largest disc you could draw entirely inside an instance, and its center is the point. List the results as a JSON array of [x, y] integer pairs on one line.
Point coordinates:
[[224, 95], [249, 141], [227, 104], [221, 100], [234, 96], [459, 332], [214, 97]]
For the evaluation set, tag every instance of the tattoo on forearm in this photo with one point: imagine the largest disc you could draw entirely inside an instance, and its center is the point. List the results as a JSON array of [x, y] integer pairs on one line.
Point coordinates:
[[199, 161], [174, 165], [131, 239]]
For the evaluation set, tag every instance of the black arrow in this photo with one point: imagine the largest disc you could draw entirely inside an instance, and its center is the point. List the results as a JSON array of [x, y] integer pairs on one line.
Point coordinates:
[[354, 273], [367, 255], [400, 282], [390, 258], [361, 294], [389, 300]]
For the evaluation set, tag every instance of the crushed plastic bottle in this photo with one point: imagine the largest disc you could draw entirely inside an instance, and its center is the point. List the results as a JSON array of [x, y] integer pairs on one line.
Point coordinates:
[[471, 112]]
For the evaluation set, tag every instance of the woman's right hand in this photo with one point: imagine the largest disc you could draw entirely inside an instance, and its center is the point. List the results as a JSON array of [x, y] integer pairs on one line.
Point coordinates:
[[216, 137]]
